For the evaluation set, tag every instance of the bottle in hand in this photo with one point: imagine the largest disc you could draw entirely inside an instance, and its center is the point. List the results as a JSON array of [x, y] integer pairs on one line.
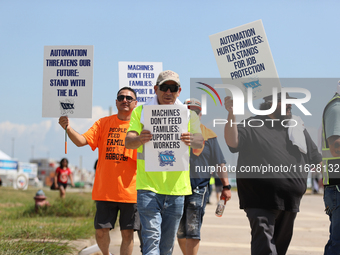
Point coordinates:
[[220, 208]]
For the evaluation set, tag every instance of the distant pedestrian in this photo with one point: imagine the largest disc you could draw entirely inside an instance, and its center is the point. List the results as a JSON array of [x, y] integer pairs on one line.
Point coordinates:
[[61, 177], [210, 188]]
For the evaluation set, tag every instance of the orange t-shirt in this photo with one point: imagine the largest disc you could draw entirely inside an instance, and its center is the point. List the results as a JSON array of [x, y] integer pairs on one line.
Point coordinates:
[[115, 178]]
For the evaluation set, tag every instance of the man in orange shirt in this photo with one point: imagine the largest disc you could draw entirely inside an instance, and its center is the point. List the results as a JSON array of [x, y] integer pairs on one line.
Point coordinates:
[[114, 187]]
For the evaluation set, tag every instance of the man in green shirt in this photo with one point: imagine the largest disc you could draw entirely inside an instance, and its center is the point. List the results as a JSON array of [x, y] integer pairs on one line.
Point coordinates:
[[160, 195]]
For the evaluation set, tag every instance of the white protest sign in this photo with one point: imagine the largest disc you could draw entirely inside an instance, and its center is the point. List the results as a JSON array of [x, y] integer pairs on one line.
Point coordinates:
[[244, 59], [166, 151], [67, 81], [140, 76]]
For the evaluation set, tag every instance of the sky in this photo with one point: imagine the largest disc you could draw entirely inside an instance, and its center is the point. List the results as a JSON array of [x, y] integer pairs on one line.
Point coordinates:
[[303, 38]]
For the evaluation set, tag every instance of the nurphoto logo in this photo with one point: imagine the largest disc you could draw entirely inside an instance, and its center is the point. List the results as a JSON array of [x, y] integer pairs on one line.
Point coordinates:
[[239, 96]]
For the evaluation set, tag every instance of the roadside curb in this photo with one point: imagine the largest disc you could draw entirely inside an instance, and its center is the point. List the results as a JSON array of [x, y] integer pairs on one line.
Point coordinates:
[[81, 244]]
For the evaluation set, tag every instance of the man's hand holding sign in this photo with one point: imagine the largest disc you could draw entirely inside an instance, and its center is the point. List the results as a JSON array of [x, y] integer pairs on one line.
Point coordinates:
[[165, 123]]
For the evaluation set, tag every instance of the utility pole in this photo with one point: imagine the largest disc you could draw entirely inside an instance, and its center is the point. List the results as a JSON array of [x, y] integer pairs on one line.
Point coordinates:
[[81, 162]]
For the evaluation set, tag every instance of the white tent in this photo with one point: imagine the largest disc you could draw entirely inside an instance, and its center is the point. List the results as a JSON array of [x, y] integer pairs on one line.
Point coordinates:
[[7, 164], [9, 170], [4, 156]]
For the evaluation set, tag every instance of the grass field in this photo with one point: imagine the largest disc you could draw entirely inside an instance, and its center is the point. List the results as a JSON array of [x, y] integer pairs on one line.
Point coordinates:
[[23, 231]]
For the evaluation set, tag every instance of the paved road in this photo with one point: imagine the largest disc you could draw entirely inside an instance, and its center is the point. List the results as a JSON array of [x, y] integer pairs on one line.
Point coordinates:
[[230, 234]]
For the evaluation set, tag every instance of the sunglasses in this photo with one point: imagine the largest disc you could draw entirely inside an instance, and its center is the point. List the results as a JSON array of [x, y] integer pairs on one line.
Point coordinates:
[[165, 87], [128, 98]]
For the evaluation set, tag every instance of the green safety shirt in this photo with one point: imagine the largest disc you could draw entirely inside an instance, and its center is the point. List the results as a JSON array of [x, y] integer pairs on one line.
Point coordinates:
[[165, 182]]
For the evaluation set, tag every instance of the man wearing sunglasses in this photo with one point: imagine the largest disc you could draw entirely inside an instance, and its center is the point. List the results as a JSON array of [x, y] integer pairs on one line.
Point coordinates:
[[114, 187], [160, 195]]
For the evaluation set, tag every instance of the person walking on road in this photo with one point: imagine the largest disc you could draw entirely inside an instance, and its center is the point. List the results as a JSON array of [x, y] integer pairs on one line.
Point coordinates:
[[114, 188], [189, 231], [270, 199], [160, 195]]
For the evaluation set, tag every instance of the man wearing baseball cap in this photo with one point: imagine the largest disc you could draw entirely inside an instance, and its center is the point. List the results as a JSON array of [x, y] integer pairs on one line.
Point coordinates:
[[160, 195]]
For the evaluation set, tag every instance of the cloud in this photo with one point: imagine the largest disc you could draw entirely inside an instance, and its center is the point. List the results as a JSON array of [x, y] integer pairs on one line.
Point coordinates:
[[16, 139], [82, 125], [46, 139]]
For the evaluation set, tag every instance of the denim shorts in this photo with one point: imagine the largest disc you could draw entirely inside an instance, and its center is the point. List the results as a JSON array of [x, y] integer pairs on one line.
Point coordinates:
[[194, 208]]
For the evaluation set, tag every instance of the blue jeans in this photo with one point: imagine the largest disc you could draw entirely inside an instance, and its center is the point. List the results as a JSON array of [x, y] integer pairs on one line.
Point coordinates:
[[194, 208], [332, 203], [159, 216]]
